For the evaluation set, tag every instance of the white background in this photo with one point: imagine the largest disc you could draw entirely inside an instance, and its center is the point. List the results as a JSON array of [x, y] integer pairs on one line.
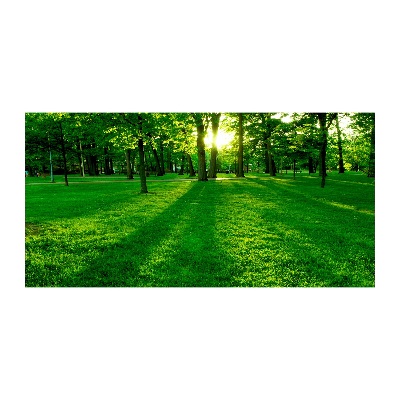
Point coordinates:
[[88, 56]]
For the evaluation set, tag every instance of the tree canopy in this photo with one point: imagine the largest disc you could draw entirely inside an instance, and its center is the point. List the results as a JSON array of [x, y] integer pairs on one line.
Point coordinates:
[[156, 143]]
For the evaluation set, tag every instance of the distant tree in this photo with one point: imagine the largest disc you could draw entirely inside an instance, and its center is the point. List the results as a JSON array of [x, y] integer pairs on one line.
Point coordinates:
[[269, 126], [178, 133], [340, 146], [54, 133], [325, 121], [142, 170], [240, 170], [37, 143], [364, 125], [137, 124]]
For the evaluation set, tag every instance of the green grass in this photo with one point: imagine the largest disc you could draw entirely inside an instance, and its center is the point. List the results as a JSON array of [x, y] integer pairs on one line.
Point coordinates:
[[258, 231], [59, 179]]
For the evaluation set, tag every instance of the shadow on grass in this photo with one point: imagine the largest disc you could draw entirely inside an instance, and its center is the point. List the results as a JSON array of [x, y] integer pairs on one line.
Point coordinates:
[[256, 232], [331, 246], [174, 249]]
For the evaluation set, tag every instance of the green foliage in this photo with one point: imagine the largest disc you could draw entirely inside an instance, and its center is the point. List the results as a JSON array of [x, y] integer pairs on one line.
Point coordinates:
[[95, 139]]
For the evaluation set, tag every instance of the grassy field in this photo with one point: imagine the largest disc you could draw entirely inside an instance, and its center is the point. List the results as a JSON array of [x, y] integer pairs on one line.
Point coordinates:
[[257, 231]]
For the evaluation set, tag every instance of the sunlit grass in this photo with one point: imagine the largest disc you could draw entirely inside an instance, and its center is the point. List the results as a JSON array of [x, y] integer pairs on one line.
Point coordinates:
[[259, 231]]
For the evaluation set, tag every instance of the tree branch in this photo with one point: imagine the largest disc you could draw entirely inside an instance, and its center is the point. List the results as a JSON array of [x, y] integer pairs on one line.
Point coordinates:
[[332, 117]]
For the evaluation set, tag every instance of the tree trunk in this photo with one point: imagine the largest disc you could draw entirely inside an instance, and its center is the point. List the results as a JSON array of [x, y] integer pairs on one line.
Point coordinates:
[[190, 163], [157, 161], [155, 155], [371, 164], [81, 159], [294, 169], [240, 171], [324, 143], [212, 173], [271, 164], [268, 157], [340, 149], [266, 154], [129, 173], [64, 155], [92, 165], [201, 151], [142, 170], [89, 165], [81, 171], [310, 165], [111, 166], [316, 165], [162, 156], [148, 160], [182, 170], [107, 163], [324, 126], [169, 160]]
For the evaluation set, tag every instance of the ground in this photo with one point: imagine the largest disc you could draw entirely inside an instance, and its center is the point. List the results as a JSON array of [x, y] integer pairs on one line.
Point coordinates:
[[257, 231]]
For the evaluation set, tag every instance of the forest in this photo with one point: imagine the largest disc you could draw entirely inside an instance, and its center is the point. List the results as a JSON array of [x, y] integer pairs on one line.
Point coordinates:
[[188, 143], [200, 199]]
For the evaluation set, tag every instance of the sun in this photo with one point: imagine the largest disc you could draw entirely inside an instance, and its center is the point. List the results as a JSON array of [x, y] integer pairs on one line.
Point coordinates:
[[224, 138]]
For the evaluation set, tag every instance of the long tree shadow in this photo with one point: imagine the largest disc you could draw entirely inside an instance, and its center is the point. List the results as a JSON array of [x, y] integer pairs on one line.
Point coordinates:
[[191, 256], [231, 234], [333, 251], [173, 249], [57, 249]]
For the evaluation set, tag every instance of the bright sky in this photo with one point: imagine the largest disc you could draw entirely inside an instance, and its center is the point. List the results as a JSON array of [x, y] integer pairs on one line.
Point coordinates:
[[223, 138]]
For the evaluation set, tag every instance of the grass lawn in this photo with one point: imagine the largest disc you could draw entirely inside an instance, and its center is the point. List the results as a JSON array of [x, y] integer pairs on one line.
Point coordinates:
[[257, 231]]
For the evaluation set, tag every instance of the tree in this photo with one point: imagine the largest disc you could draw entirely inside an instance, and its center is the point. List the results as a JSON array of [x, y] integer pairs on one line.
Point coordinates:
[[240, 170], [63, 151], [364, 125], [201, 121], [136, 122], [371, 164], [142, 170], [55, 134], [215, 117], [325, 121], [97, 142], [37, 143], [340, 146], [306, 125], [270, 125], [176, 131]]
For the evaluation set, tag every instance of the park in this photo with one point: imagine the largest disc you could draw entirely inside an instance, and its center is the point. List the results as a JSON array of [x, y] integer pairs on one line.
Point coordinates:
[[146, 200]]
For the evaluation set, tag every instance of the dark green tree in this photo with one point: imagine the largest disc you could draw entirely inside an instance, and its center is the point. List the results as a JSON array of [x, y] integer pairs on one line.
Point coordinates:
[[240, 170], [212, 172], [201, 121], [364, 125], [340, 145]]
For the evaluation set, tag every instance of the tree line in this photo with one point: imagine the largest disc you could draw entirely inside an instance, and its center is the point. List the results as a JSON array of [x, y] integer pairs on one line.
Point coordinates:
[[145, 143]]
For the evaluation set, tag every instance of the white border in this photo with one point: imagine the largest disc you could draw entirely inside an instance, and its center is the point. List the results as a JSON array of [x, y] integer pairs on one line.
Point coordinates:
[[199, 343]]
